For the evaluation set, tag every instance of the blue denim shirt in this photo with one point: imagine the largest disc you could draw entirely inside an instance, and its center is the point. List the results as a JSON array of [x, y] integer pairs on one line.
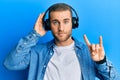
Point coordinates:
[[29, 54]]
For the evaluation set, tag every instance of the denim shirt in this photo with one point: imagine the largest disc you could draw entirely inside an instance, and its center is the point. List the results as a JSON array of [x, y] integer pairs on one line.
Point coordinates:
[[35, 57]]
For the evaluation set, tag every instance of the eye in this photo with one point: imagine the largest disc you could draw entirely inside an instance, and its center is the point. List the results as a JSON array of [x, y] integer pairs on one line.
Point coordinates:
[[55, 22], [66, 22]]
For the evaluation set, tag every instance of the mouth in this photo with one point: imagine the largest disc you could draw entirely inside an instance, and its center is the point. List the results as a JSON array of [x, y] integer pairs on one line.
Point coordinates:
[[61, 34]]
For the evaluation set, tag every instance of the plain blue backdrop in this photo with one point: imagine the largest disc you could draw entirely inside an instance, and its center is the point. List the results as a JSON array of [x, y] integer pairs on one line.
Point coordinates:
[[97, 17]]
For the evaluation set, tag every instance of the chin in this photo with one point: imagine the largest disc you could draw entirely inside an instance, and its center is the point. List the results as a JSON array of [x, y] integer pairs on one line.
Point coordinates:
[[62, 39]]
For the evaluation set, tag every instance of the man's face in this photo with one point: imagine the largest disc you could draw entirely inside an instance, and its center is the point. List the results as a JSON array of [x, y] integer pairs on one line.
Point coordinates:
[[61, 25]]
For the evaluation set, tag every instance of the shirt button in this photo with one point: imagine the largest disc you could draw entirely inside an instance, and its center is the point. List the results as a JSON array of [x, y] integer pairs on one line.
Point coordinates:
[[44, 66], [25, 43], [79, 56], [51, 53], [34, 35]]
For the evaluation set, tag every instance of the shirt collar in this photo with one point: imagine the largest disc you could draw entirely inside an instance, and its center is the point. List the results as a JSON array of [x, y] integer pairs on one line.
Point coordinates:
[[77, 43]]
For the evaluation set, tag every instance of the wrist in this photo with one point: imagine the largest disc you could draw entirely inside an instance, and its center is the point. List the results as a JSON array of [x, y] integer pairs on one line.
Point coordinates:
[[101, 61]]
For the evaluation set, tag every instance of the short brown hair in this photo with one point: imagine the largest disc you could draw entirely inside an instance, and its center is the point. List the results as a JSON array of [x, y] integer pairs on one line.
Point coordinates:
[[59, 7]]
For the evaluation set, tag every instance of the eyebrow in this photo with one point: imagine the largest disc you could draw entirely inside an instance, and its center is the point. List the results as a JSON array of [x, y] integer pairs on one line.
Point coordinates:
[[54, 20], [66, 19]]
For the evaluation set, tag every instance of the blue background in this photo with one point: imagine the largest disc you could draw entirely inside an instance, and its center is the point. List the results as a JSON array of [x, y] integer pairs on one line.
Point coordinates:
[[97, 17]]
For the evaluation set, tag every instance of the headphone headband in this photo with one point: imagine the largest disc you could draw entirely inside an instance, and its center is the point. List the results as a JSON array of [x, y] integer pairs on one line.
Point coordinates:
[[46, 22]]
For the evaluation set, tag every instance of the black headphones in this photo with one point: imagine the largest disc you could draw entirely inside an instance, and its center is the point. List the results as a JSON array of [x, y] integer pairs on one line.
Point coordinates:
[[46, 23]]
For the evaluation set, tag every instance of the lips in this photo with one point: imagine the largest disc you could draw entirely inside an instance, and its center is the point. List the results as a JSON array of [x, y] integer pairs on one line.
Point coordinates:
[[61, 34]]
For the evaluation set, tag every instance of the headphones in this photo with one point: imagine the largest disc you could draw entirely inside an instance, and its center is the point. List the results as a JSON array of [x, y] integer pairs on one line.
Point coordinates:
[[46, 22]]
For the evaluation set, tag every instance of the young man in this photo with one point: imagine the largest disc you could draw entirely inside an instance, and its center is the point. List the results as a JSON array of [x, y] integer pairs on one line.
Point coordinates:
[[63, 58]]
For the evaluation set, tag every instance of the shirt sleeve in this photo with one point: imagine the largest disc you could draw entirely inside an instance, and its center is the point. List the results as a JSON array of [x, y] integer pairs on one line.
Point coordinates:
[[19, 57], [106, 71]]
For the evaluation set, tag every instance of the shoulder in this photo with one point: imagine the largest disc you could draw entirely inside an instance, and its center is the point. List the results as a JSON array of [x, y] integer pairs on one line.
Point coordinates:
[[43, 46]]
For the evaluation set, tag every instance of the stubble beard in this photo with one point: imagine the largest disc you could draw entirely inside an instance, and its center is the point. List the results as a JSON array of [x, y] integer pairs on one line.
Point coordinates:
[[66, 36]]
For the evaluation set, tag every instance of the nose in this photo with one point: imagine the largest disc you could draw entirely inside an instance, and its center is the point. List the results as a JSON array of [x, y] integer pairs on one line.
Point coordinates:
[[61, 27]]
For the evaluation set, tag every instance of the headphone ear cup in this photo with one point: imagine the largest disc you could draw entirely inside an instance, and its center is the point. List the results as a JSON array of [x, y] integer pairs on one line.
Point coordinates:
[[74, 22], [47, 24]]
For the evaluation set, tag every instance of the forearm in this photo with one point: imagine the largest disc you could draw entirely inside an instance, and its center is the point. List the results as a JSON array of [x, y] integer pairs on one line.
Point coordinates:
[[106, 71], [19, 57]]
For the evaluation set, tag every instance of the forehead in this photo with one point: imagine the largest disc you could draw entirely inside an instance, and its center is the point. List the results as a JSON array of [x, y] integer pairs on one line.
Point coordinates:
[[60, 14]]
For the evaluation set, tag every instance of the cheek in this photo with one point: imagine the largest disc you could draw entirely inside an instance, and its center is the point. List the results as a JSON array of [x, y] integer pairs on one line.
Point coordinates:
[[54, 30], [69, 28]]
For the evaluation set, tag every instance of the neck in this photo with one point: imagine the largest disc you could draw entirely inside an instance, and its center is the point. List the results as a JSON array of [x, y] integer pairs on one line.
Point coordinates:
[[64, 43]]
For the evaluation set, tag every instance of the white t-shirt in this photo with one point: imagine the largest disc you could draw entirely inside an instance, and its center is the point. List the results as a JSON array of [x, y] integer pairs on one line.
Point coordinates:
[[63, 65]]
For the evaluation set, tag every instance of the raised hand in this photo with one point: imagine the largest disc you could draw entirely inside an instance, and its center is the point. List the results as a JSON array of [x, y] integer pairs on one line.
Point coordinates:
[[39, 25], [96, 50]]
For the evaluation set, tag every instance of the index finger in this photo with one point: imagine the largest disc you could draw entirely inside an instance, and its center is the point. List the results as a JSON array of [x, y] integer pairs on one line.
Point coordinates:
[[40, 17], [87, 41], [101, 42]]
